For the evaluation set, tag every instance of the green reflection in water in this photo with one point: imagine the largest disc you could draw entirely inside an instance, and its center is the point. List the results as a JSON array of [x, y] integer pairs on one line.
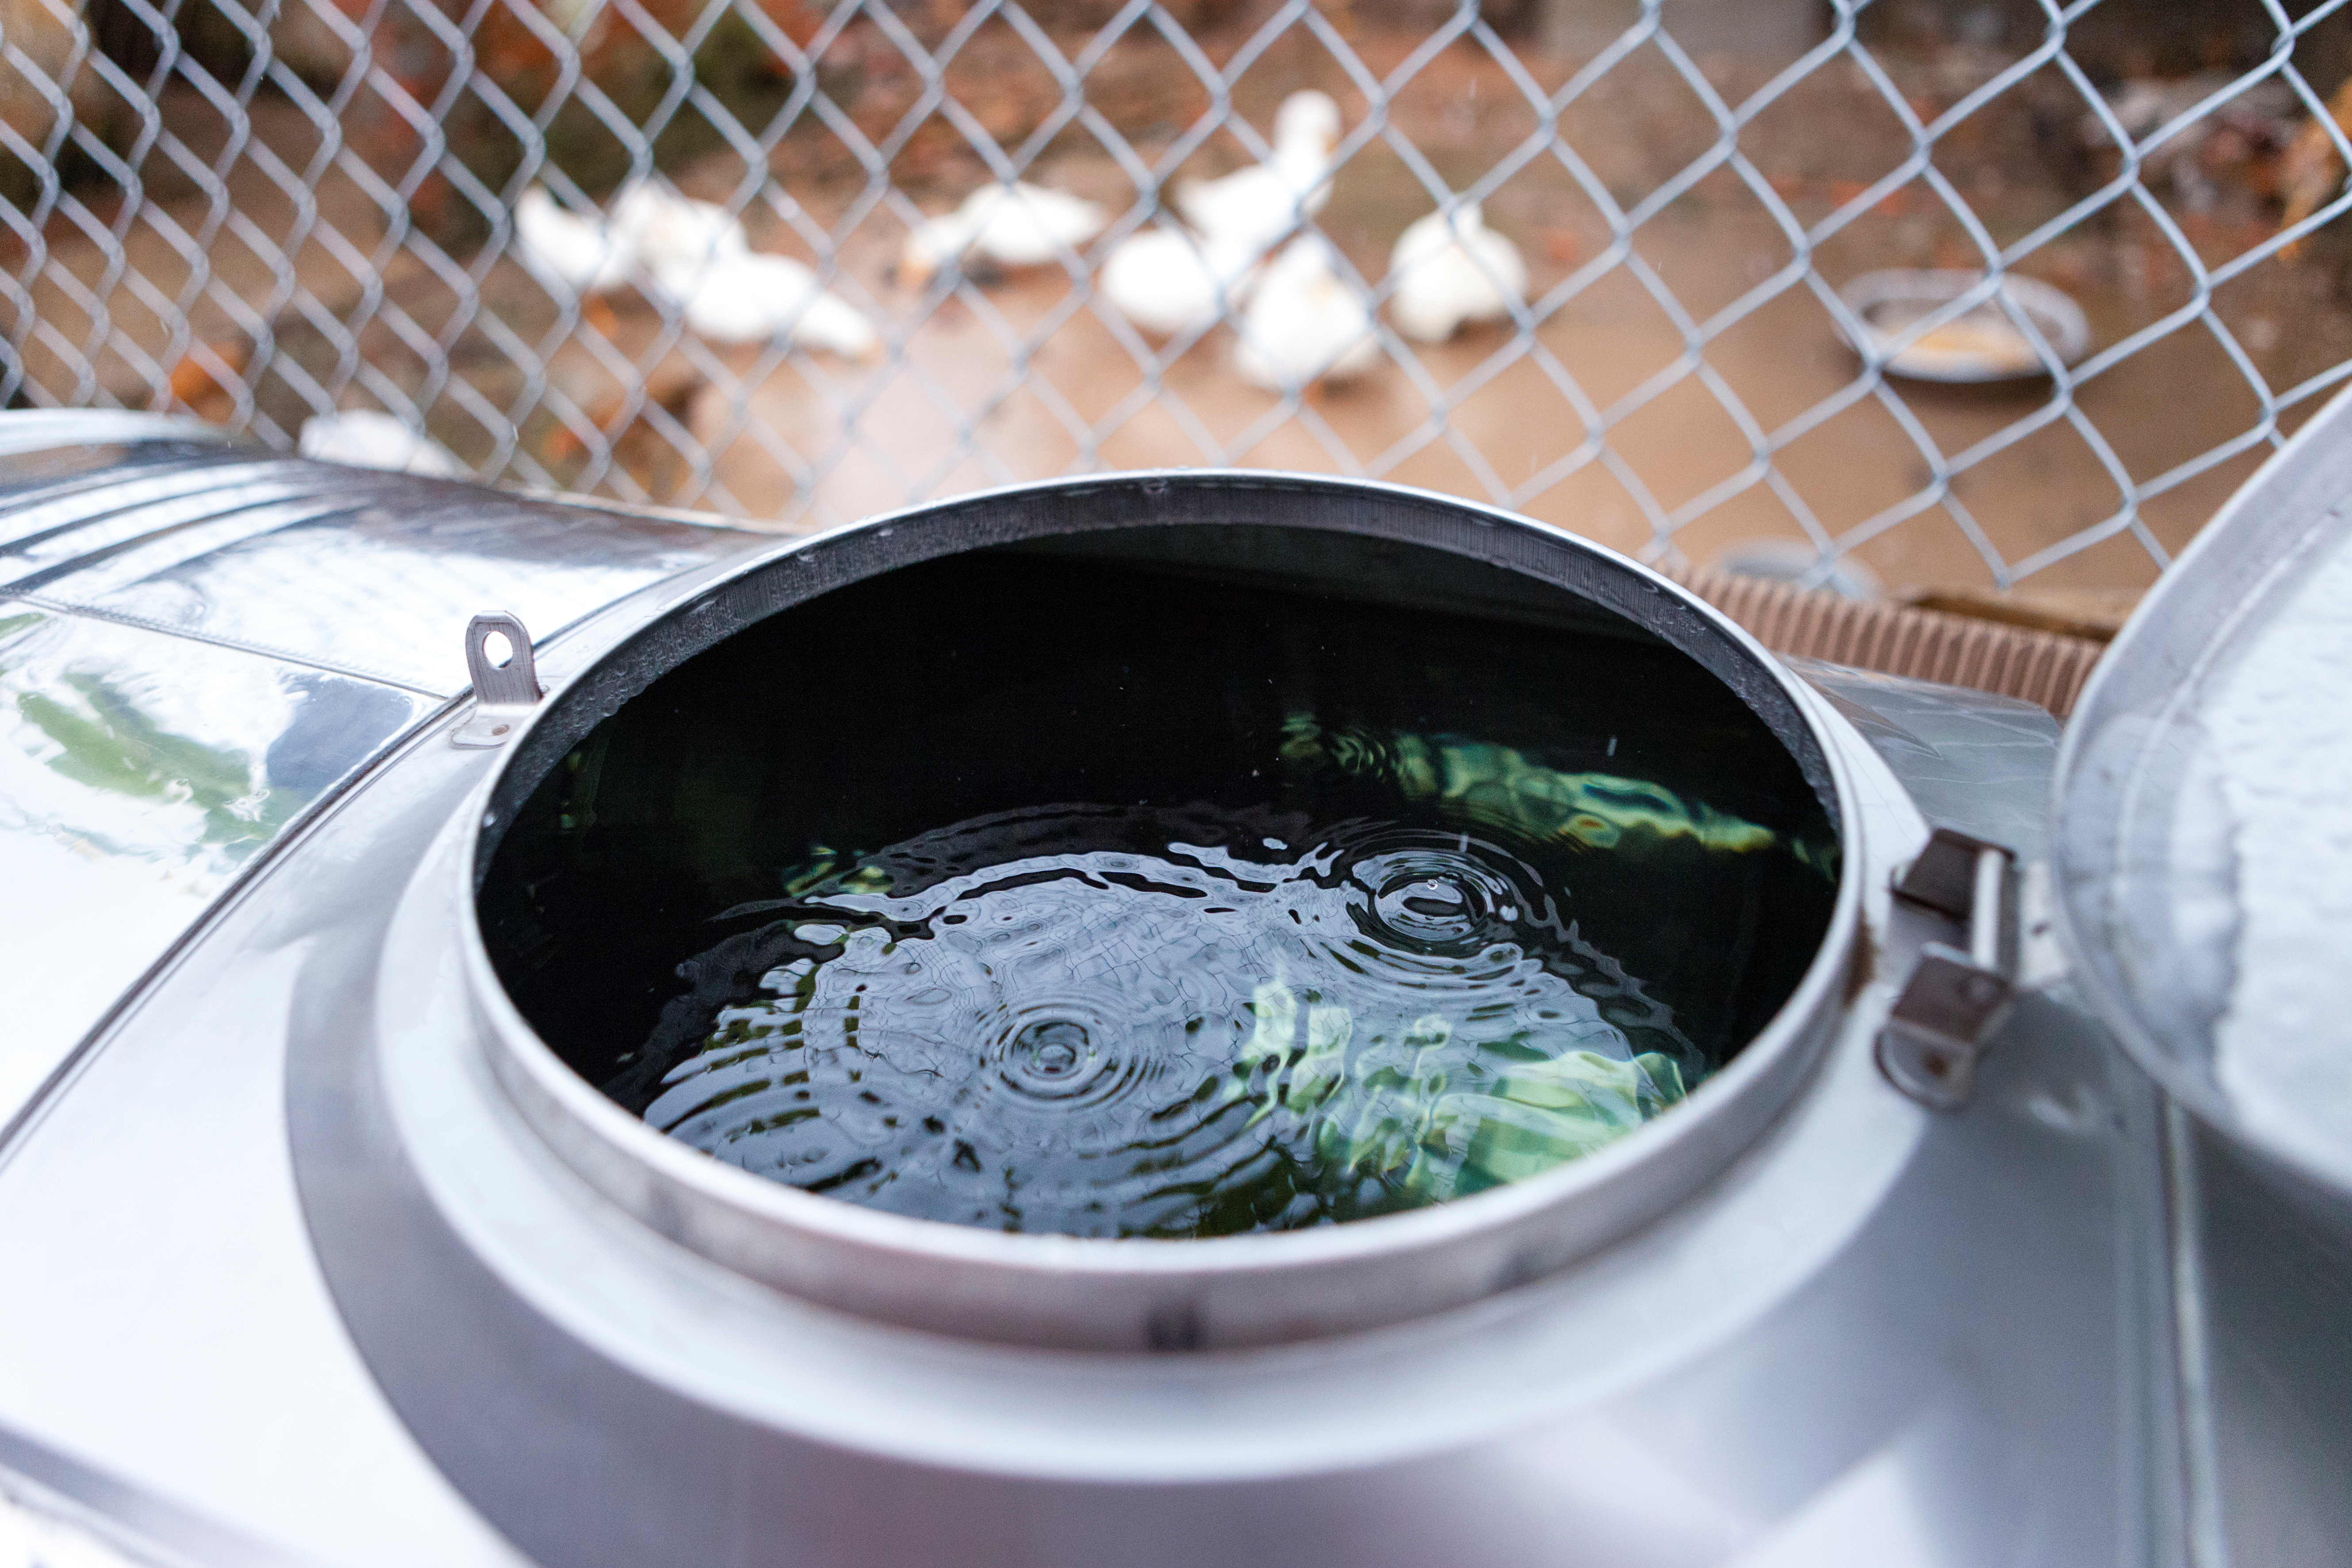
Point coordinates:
[[1118, 1022], [1411, 1119], [1497, 785]]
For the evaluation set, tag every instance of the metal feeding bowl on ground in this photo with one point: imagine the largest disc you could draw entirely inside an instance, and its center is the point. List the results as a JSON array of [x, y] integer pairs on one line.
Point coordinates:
[[1169, 1018], [1911, 320]]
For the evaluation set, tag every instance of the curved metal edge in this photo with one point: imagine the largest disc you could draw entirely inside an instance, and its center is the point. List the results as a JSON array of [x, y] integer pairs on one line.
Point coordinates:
[[2156, 664], [801, 568], [1142, 1294], [600, 1393], [146, 1527], [45, 430]]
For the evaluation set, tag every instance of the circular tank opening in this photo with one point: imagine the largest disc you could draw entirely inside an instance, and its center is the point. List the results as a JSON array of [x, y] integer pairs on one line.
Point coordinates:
[[1173, 882]]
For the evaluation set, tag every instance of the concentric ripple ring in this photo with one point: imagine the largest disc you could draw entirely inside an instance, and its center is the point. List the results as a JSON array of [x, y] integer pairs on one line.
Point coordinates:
[[1028, 1030]]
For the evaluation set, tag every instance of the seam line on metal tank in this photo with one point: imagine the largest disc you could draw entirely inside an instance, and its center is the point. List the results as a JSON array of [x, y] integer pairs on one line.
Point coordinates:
[[329, 506], [2208, 1539], [130, 508], [2148, 1375], [264, 650], [150, 1518], [684, 516], [61, 490]]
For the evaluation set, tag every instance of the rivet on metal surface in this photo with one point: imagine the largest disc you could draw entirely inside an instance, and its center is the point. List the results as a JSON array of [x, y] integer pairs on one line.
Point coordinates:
[[1956, 995], [504, 693]]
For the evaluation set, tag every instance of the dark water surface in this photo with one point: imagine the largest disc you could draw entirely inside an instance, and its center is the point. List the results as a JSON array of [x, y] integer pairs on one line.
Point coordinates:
[[1114, 901]]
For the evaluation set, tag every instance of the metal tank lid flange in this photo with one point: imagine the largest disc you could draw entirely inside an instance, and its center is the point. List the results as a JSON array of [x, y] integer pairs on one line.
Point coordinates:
[[1138, 1294]]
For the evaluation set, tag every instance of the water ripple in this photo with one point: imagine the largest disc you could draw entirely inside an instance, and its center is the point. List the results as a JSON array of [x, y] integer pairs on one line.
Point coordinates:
[[1104, 1022]]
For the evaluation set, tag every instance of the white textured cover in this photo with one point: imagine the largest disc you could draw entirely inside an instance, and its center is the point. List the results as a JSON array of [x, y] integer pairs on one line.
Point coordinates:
[[2281, 724]]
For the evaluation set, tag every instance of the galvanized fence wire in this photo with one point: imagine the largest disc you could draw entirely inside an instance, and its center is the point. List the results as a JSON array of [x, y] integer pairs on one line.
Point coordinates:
[[271, 214]]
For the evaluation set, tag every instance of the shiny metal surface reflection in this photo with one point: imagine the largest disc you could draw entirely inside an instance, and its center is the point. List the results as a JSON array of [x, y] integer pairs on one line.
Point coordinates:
[[198, 641], [74, 440], [380, 590], [1968, 760], [374, 575], [139, 774], [284, 1277]]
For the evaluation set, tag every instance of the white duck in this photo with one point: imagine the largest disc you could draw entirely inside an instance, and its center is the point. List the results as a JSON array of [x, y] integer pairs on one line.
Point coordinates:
[[370, 439], [1172, 282], [1303, 322], [1450, 269], [749, 297], [1006, 225], [582, 254], [673, 235], [1252, 209]]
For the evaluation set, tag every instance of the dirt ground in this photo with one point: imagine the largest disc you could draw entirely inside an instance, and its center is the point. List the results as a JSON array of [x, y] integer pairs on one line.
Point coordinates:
[[1600, 422]]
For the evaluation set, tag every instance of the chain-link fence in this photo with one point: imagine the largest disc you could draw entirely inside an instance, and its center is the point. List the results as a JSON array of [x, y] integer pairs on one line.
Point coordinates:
[[1954, 293]]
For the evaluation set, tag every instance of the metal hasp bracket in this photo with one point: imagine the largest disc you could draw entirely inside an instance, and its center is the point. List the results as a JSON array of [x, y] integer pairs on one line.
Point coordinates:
[[1959, 990], [504, 694]]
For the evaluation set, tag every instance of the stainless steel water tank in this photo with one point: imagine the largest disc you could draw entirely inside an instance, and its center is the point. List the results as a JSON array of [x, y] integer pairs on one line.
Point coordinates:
[[317, 1252]]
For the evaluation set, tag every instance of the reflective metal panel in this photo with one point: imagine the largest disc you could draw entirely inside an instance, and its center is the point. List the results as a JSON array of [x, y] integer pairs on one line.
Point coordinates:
[[46, 440], [386, 586], [53, 527], [169, 1354], [138, 774], [49, 474], [1970, 760], [165, 523], [374, 575], [319, 610]]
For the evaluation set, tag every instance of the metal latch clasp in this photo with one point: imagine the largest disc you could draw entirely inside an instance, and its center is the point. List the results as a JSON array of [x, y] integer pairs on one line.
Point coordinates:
[[1959, 990], [504, 694]]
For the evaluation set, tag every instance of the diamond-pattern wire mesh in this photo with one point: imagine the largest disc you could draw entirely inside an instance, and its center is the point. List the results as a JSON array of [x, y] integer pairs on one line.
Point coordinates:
[[265, 215]]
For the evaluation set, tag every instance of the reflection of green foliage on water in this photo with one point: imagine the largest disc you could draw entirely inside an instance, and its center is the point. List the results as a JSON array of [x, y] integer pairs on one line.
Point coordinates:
[[1471, 781], [836, 872], [1412, 1116], [114, 746], [1495, 785]]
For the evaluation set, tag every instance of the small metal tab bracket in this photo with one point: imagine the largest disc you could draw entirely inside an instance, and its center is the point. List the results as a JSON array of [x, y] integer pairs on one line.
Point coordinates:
[[1959, 990], [504, 694]]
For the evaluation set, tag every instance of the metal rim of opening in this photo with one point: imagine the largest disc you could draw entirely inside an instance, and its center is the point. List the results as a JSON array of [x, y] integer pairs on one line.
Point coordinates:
[[1144, 1294]]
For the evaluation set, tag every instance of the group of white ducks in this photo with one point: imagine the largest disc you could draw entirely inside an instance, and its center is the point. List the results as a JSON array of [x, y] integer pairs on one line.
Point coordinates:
[[1234, 248], [693, 254], [1240, 251]]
